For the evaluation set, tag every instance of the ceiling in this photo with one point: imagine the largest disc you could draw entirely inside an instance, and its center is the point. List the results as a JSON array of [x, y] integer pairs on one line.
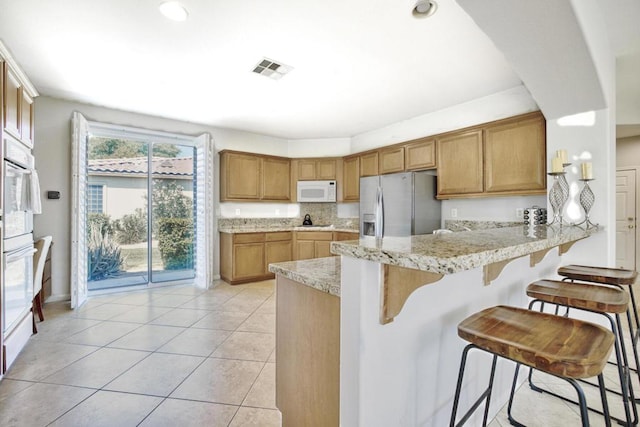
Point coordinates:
[[357, 65]]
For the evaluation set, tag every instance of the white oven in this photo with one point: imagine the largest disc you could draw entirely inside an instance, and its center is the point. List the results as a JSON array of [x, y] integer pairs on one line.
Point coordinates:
[[17, 289], [18, 167]]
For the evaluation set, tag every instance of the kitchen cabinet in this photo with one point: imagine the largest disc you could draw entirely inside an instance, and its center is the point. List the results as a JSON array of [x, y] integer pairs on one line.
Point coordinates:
[[17, 105], [245, 257], [312, 244], [12, 101], [316, 169], [391, 160], [506, 157], [339, 236], [460, 168], [252, 177], [369, 164], [420, 154], [275, 179], [278, 247], [317, 244], [515, 156], [351, 179]]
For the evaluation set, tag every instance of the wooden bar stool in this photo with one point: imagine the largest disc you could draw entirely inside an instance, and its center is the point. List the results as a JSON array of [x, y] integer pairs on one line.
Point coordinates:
[[617, 277], [602, 300], [566, 348]]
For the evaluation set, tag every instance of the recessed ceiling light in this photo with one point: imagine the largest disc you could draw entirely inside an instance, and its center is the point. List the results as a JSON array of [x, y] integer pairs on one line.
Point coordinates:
[[173, 10], [424, 8]]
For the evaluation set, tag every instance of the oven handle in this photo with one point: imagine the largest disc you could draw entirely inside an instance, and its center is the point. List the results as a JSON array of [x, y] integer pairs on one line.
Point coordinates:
[[17, 169], [20, 253]]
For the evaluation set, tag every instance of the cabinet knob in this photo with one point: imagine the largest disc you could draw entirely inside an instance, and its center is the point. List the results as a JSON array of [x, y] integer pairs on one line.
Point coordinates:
[[632, 226]]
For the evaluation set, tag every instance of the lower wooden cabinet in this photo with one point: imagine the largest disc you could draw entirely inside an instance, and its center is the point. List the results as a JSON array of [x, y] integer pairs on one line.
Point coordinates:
[[317, 244], [245, 257], [312, 244], [307, 355]]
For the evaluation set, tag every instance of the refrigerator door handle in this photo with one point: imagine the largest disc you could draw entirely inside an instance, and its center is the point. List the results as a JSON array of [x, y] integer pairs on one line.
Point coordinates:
[[379, 224]]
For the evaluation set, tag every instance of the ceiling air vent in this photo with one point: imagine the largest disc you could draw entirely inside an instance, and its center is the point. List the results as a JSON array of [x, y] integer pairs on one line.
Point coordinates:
[[271, 69]]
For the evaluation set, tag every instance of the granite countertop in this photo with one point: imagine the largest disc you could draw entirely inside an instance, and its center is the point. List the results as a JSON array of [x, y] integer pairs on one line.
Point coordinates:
[[250, 229], [322, 274], [454, 252]]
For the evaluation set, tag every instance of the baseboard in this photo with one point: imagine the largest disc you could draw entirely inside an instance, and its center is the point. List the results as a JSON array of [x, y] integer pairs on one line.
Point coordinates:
[[58, 298]]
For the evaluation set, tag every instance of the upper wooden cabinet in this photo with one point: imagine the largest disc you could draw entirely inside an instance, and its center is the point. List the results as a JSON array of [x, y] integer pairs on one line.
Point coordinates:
[[460, 163], [275, 179], [351, 179], [391, 160], [506, 157], [16, 100], [515, 153], [12, 102], [252, 177], [420, 154], [369, 164], [315, 169]]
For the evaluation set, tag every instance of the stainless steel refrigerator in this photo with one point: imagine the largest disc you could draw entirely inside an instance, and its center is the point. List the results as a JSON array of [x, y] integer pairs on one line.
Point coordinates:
[[401, 204]]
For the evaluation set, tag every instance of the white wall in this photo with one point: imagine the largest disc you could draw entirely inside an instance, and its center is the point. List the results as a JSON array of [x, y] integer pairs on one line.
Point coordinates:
[[628, 151], [53, 161], [493, 107]]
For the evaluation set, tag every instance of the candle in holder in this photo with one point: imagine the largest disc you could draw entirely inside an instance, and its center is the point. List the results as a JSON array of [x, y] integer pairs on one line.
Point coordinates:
[[562, 154], [556, 165], [587, 170]]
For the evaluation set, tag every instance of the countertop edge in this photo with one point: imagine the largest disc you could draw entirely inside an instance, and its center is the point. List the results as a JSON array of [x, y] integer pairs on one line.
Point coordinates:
[[457, 263]]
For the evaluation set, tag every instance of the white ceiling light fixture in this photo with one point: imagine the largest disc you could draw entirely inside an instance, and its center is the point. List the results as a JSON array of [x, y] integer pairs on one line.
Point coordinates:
[[174, 11], [424, 9]]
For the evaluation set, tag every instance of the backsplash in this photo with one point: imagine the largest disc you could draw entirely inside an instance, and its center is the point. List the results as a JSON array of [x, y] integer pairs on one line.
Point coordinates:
[[321, 214]]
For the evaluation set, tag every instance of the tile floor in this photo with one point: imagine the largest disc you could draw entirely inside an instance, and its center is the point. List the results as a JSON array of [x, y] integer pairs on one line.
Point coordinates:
[[180, 356], [163, 357]]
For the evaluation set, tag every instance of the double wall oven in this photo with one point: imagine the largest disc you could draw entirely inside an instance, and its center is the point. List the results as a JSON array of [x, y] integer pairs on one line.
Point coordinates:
[[17, 256]]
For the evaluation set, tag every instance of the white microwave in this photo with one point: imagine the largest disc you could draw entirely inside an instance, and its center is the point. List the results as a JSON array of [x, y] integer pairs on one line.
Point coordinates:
[[316, 191]]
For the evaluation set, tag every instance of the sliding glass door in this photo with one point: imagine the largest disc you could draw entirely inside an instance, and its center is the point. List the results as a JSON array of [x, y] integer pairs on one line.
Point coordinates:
[[140, 209]]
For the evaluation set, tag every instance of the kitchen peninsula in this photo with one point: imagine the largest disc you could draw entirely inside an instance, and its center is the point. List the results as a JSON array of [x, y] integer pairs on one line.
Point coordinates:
[[398, 347]]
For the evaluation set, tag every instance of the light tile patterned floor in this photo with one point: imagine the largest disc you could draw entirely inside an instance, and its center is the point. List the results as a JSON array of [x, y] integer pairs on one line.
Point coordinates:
[[179, 356], [162, 357]]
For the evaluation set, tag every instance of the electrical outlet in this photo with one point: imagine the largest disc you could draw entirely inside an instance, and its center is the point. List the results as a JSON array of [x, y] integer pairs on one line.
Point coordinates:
[[454, 213], [237, 212], [519, 213]]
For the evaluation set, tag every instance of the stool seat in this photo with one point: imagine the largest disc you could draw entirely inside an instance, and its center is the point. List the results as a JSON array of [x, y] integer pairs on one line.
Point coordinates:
[[557, 345], [596, 298], [605, 275]]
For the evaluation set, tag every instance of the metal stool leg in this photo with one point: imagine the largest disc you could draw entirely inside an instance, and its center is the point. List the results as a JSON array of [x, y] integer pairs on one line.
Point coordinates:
[[485, 396]]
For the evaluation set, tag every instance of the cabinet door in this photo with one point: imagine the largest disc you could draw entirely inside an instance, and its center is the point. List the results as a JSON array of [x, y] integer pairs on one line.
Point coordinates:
[[241, 177], [26, 119], [351, 179], [322, 248], [345, 235], [275, 179], [248, 260], [12, 98], [420, 154], [277, 252], [391, 160], [326, 169], [515, 157], [305, 249], [306, 170], [460, 164], [369, 164]]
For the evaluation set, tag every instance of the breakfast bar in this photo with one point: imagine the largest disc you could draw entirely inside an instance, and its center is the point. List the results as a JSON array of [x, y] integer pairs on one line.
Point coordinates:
[[400, 300]]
